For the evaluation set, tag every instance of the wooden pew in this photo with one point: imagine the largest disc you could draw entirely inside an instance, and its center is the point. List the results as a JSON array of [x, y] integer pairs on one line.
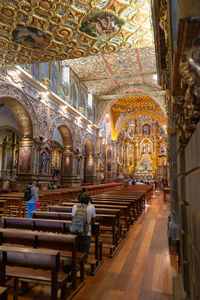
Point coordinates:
[[15, 206], [3, 293], [65, 243], [58, 226], [106, 220], [124, 209], [105, 211], [137, 201], [116, 212], [2, 207], [133, 202], [35, 265]]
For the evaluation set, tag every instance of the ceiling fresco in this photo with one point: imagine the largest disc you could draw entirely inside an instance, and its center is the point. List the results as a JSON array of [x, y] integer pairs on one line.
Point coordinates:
[[43, 30]]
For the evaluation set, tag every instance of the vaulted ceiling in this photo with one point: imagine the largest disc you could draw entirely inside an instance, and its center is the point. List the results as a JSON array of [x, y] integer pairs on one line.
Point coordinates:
[[43, 30], [107, 43]]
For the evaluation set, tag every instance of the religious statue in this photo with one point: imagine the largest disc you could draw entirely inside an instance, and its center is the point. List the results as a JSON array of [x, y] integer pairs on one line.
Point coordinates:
[[146, 129], [44, 159]]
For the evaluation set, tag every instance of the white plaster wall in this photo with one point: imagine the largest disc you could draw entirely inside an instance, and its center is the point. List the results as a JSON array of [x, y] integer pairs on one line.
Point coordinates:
[[57, 137], [7, 118]]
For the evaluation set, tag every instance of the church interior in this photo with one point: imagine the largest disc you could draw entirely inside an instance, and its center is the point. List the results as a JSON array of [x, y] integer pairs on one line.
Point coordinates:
[[103, 94]]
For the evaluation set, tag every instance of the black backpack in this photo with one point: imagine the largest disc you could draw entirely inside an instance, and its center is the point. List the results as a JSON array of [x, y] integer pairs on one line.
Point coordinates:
[[27, 194]]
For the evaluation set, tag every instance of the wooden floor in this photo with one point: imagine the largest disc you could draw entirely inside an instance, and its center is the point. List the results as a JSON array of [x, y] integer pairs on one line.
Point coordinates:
[[142, 269]]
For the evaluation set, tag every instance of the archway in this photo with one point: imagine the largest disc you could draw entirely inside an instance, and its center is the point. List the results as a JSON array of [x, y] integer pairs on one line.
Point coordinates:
[[20, 114], [15, 141], [62, 164], [89, 165], [9, 151]]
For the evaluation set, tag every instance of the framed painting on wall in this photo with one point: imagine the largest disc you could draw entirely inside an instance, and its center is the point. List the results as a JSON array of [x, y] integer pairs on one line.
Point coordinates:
[[25, 160]]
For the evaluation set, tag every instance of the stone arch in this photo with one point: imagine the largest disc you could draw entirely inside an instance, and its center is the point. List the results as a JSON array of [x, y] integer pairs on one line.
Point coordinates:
[[89, 161], [7, 128], [66, 136], [66, 130], [88, 137], [159, 118], [89, 147], [21, 107], [106, 105]]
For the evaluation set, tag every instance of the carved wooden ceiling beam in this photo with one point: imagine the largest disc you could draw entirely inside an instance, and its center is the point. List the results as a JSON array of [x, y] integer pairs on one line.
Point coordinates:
[[120, 76], [115, 96]]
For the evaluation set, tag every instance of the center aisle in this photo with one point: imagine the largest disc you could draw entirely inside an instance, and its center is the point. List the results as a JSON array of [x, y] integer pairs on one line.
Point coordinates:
[[142, 269]]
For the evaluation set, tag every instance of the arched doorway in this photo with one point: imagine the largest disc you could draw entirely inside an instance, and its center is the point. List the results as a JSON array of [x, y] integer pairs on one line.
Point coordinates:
[[62, 156], [9, 150], [89, 165], [15, 141]]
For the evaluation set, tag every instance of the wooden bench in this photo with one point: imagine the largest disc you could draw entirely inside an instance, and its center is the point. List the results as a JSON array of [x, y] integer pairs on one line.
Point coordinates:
[[32, 265], [3, 293], [2, 207], [124, 209], [106, 220], [136, 200], [58, 226], [65, 243], [105, 211], [15, 206], [135, 207]]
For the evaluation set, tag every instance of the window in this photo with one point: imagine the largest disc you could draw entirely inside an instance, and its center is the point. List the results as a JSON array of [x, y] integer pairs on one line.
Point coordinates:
[[90, 100]]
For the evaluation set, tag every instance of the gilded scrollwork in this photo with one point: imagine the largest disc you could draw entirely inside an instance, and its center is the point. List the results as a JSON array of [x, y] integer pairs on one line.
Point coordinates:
[[189, 105]]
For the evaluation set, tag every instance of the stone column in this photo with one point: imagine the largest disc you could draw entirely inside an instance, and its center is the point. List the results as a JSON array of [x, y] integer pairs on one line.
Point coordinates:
[[90, 169], [68, 170]]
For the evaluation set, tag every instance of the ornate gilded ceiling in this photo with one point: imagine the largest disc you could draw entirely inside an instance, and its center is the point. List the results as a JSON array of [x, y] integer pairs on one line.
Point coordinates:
[[107, 72], [131, 105], [107, 43], [43, 30]]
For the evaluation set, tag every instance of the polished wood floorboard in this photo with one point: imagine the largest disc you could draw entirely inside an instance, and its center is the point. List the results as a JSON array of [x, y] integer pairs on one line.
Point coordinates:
[[142, 269]]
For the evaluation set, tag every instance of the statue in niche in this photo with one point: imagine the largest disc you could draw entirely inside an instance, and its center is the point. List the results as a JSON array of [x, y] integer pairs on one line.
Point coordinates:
[[146, 149], [146, 129], [109, 154], [109, 167], [44, 160]]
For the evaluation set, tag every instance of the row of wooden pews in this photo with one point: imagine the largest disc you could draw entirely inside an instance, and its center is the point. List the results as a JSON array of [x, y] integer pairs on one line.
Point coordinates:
[[15, 205], [49, 229]]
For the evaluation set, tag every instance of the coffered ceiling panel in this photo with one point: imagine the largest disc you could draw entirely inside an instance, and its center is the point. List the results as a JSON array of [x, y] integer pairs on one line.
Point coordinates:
[[133, 67], [43, 30], [101, 87]]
